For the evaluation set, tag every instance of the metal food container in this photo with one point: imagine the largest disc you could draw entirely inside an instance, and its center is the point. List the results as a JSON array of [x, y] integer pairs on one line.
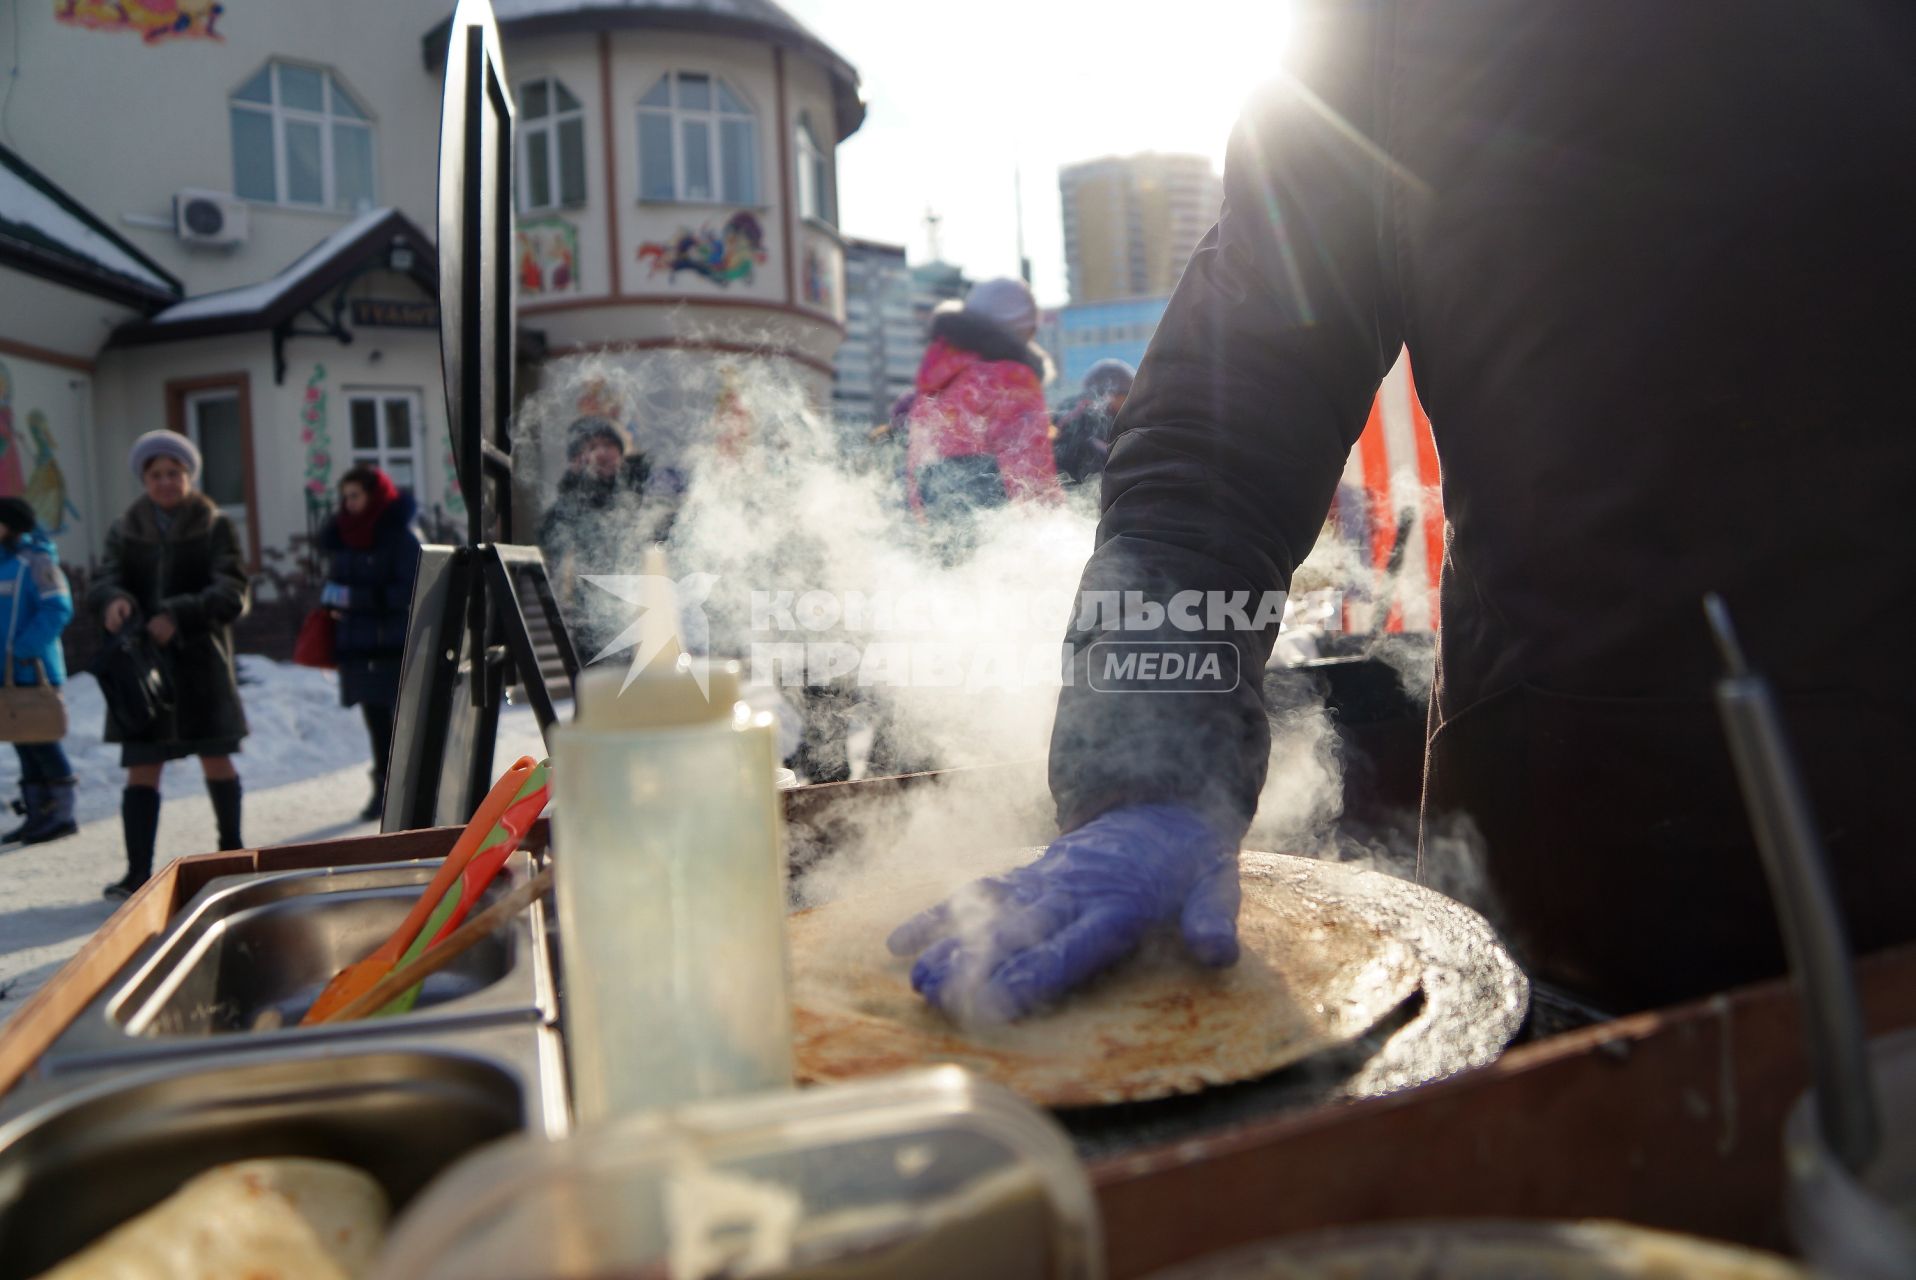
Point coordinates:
[[245, 958], [77, 1159]]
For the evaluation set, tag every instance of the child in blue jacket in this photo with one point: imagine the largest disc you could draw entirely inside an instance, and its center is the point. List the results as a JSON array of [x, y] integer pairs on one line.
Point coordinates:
[[33, 588]]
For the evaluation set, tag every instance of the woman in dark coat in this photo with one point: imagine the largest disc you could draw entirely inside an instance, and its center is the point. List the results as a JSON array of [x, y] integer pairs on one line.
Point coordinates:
[[173, 567], [373, 559]]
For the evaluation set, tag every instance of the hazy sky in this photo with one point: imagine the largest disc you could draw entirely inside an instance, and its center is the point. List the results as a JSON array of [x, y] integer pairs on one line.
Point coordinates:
[[963, 94]]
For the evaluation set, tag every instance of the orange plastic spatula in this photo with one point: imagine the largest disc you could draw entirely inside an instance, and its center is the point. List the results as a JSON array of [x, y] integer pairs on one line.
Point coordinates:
[[357, 978]]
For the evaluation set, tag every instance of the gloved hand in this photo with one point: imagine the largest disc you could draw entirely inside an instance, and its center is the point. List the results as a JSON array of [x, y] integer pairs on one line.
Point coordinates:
[[1007, 944]]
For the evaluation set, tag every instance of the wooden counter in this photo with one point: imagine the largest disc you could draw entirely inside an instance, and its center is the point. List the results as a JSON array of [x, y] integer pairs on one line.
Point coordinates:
[[1669, 1119]]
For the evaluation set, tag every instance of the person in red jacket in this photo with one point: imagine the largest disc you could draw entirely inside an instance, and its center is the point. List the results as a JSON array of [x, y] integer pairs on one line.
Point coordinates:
[[980, 432]]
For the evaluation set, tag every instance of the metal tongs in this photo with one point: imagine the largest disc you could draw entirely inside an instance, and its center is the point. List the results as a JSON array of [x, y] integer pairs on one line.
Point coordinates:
[[1793, 861]]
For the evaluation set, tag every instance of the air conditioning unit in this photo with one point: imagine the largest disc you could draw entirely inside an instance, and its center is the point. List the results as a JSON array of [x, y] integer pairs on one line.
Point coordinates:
[[209, 218]]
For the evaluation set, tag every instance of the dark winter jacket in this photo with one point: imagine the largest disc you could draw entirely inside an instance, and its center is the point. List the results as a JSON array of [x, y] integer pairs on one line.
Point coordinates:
[[33, 586], [193, 572], [1084, 440], [1652, 268], [596, 524], [369, 638], [589, 509]]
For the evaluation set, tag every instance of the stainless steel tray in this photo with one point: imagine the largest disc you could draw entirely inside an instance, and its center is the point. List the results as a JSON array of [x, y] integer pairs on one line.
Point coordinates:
[[240, 964], [80, 1155]]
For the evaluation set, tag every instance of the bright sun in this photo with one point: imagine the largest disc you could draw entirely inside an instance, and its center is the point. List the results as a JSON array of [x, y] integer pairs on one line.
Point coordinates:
[[1188, 68]]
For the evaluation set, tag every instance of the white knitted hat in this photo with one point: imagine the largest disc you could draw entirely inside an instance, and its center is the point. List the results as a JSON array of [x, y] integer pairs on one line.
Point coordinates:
[[162, 443]]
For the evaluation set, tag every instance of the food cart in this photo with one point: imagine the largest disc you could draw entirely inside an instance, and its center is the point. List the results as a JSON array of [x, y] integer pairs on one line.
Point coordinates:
[[169, 1044], [1669, 1119]]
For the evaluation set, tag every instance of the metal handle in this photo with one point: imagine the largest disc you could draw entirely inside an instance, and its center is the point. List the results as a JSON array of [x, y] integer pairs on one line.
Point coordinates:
[[1794, 863]]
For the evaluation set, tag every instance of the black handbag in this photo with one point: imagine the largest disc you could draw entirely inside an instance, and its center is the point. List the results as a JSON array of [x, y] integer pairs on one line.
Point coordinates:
[[135, 683]]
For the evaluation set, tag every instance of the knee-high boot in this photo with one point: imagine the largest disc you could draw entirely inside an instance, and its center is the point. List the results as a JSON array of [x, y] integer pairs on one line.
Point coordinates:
[[226, 808], [140, 816]]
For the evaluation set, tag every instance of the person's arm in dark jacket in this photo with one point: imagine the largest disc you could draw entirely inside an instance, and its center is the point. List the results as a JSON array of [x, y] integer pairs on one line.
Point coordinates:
[[107, 585], [381, 579], [402, 568], [223, 600], [1227, 452]]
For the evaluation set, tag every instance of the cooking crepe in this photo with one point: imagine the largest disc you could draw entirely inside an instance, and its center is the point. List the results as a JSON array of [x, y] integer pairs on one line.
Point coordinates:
[[255, 1220], [1310, 976], [1494, 1251]]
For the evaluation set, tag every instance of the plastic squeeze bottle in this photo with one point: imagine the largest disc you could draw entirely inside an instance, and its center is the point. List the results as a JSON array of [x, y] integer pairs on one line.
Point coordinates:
[[671, 879]]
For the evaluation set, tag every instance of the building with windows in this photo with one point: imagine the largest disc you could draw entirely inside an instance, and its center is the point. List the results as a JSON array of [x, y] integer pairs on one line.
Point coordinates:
[[884, 341], [933, 283], [1131, 222], [224, 224], [1090, 332], [687, 216], [1050, 338]]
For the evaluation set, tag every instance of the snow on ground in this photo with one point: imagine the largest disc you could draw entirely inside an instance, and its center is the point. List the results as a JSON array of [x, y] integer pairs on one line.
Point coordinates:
[[305, 772]]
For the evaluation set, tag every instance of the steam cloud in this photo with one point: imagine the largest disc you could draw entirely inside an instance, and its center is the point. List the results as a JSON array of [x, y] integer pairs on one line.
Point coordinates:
[[778, 499]]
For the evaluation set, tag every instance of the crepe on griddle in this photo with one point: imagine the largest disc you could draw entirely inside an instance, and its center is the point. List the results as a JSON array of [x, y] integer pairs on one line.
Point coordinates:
[[1311, 975], [280, 1219], [1492, 1250]]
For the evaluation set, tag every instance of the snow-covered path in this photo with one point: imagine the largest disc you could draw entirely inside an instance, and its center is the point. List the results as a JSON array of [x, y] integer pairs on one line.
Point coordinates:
[[304, 767]]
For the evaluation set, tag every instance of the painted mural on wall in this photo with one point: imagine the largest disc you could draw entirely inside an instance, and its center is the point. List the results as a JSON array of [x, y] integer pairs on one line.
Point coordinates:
[[598, 398], [548, 256], [47, 486], [816, 280], [313, 434], [732, 253], [155, 20], [12, 479]]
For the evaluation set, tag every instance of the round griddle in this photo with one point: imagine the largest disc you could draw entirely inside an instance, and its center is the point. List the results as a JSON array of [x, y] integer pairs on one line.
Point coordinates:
[[1471, 1003]]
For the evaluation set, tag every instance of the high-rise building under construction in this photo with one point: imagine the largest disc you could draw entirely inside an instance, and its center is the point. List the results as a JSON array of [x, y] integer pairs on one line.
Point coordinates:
[[1131, 222]]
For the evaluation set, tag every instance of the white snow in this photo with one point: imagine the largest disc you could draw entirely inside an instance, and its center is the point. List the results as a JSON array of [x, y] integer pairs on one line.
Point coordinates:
[[253, 297], [305, 772], [22, 202]]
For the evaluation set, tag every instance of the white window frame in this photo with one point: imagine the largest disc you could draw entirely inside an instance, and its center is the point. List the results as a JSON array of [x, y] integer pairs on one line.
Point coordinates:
[[382, 454], [712, 118], [815, 195], [325, 119], [190, 403], [548, 126]]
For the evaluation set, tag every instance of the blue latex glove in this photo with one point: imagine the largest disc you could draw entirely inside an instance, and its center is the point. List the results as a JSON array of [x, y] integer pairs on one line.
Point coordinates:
[[1011, 943]]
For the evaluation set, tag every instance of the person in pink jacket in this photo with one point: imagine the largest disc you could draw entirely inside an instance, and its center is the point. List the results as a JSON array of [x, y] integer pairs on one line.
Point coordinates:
[[980, 432]]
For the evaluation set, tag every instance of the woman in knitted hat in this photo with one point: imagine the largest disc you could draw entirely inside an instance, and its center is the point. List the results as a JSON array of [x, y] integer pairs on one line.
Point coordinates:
[[980, 432], [173, 567], [38, 607], [373, 557]]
